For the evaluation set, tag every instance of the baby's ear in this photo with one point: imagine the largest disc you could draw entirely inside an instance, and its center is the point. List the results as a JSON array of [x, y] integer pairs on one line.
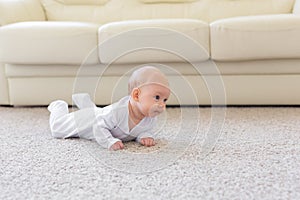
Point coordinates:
[[135, 94]]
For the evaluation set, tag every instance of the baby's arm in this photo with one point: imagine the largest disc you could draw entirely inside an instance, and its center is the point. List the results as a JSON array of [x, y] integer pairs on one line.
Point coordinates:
[[104, 138], [146, 138]]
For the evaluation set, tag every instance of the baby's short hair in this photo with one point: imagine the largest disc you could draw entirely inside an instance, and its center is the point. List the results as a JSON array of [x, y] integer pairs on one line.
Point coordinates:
[[146, 75]]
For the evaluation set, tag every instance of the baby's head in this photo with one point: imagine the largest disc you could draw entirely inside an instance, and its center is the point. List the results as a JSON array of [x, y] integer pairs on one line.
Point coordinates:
[[149, 90]]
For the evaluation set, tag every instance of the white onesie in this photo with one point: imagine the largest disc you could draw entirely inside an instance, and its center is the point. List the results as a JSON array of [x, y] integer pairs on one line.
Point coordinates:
[[106, 125]]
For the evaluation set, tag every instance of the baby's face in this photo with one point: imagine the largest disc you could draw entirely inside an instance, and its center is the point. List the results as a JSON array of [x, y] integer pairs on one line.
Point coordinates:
[[152, 99]]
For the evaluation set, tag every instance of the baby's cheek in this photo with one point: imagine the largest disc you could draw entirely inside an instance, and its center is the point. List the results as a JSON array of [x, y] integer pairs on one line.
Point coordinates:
[[145, 109]]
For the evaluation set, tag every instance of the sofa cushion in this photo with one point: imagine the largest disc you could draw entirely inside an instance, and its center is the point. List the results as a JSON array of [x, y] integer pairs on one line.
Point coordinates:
[[163, 40], [256, 37], [48, 43]]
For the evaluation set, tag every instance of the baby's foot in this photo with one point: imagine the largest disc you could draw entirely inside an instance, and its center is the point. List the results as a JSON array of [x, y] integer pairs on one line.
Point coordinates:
[[58, 105]]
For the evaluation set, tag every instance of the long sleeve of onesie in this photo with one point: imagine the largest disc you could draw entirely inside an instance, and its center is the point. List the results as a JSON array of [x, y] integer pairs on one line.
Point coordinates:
[[101, 130], [148, 133], [102, 133]]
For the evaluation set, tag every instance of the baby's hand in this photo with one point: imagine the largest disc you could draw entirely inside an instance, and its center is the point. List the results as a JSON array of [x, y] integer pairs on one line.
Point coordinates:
[[148, 142], [117, 146]]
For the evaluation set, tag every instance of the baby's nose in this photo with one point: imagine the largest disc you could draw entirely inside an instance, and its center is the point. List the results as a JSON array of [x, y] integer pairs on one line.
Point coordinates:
[[162, 105]]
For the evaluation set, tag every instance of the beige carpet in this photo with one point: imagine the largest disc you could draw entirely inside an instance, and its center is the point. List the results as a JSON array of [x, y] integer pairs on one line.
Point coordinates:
[[256, 156]]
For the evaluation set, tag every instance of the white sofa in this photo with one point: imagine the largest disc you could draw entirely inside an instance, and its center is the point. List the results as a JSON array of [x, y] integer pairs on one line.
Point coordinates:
[[220, 52]]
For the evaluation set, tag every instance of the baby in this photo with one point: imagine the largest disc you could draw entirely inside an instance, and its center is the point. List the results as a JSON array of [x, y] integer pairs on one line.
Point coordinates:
[[131, 118]]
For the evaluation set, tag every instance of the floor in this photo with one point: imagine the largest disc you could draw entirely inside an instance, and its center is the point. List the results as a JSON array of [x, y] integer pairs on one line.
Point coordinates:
[[201, 153]]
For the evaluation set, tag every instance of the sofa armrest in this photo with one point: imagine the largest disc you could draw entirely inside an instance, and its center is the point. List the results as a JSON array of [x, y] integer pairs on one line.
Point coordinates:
[[20, 10], [4, 96], [296, 9]]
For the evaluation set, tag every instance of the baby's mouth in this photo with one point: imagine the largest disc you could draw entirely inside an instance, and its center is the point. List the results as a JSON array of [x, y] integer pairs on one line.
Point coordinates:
[[156, 112]]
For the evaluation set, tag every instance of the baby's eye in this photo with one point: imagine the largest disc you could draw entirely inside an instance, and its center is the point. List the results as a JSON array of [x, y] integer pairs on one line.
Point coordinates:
[[165, 100], [157, 97]]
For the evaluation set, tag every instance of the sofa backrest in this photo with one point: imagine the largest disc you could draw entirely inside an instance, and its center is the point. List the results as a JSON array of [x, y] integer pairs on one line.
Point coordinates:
[[103, 11], [20, 10]]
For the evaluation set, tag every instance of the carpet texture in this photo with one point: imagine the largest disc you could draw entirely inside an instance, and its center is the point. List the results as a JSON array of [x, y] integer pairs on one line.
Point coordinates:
[[219, 153]]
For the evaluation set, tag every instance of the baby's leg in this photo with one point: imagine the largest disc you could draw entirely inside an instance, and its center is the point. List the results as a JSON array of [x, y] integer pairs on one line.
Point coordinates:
[[61, 122], [76, 124], [83, 100]]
